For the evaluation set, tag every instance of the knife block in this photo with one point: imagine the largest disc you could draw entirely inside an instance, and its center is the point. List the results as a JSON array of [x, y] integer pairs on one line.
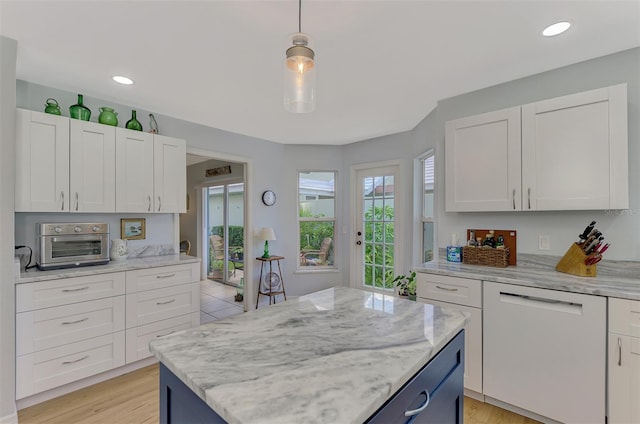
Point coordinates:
[[573, 263]]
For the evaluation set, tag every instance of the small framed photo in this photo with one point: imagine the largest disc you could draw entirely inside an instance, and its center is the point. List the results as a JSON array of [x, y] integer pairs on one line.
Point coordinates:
[[132, 229]]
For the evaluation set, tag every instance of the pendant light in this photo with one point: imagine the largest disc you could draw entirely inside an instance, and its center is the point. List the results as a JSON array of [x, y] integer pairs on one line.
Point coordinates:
[[300, 72]]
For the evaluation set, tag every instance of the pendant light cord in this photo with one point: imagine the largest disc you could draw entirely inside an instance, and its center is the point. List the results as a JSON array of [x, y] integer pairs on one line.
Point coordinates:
[[299, 15]]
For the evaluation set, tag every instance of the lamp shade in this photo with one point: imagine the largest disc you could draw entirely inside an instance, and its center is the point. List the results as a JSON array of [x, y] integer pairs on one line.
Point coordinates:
[[300, 76], [266, 233]]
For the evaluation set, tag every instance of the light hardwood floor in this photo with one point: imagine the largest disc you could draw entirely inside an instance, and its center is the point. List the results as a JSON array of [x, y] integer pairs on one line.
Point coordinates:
[[133, 398]]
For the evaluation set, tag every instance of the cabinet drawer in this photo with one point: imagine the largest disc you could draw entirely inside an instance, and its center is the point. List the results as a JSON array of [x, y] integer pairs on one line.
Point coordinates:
[[156, 305], [44, 370], [624, 316], [159, 277], [138, 338], [50, 293], [462, 291], [440, 378], [47, 328]]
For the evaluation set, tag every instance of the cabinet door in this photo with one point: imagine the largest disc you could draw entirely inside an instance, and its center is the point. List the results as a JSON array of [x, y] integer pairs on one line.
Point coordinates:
[[134, 171], [42, 162], [624, 379], [574, 151], [170, 174], [482, 156], [93, 167]]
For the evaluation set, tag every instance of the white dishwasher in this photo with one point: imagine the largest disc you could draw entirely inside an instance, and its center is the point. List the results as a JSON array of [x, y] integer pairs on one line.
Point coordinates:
[[545, 351]]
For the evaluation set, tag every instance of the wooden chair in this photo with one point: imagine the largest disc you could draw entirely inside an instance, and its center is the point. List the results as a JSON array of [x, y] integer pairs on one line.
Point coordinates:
[[217, 245], [317, 257]]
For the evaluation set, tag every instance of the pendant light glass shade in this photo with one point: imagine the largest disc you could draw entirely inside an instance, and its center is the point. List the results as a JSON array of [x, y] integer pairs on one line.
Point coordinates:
[[300, 76]]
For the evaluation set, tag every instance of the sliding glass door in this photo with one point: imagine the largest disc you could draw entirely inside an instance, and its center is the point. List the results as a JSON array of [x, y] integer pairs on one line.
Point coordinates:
[[224, 207]]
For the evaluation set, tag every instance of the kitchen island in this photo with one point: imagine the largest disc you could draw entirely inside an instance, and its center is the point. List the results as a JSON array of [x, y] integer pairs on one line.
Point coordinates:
[[335, 356]]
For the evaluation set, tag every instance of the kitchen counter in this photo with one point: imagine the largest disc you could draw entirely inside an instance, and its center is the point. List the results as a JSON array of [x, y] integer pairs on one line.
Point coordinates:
[[114, 266], [619, 279], [334, 356]]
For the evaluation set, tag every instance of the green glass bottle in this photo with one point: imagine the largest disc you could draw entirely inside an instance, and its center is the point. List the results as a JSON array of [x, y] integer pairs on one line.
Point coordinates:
[[79, 110], [133, 123]]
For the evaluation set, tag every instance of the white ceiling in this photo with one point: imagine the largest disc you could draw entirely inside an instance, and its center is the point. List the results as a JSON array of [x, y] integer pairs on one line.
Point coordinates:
[[381, 65]]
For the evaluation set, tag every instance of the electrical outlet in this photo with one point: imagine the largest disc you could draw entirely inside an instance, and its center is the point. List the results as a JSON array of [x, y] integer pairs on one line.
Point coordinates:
[[544, 242]]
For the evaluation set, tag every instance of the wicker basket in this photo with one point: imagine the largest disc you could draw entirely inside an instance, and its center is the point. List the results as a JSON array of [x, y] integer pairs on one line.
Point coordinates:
[[485, 256]]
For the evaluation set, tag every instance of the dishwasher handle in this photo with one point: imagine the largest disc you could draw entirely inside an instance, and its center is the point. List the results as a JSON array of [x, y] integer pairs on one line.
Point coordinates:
[[541, 302]]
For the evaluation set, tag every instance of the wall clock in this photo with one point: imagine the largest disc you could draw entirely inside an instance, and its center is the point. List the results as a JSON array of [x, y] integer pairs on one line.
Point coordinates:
[[269, 198]]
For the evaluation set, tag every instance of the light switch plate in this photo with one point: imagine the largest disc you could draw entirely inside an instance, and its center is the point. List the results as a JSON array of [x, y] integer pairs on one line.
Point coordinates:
[[544, 242]]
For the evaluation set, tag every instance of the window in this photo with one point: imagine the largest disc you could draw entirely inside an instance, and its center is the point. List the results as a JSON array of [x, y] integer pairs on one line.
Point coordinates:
[[316, 218], [428, 190]]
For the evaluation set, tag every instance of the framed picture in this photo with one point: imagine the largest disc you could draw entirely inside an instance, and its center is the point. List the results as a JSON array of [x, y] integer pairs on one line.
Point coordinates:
[[132, 229]]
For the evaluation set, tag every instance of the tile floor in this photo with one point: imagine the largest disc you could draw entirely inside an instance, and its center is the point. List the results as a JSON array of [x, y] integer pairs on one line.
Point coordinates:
[[217, 301]]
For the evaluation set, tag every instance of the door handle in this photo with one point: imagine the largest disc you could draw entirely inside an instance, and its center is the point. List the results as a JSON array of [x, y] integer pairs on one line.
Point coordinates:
[[619, 352], [76, 201], [446, 288], [76, 360], [159, 203], [62, 200], [75, 322], [513, 196], [165, 303], [149, 205], [529, 197]]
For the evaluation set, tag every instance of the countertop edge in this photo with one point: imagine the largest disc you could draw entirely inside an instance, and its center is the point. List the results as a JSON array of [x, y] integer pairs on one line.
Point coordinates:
[[113, 266]]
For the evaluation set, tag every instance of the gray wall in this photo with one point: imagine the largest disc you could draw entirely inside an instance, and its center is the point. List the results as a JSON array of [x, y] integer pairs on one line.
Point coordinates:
[[621, 228], [8, 49]]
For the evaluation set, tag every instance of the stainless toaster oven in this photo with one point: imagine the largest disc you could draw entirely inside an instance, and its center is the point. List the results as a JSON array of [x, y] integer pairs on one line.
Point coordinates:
[[68, 245]]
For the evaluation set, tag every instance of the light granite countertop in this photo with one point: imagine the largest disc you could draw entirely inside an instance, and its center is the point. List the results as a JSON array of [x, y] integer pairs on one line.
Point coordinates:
[[619, 279], [334, 356], [114, 266]]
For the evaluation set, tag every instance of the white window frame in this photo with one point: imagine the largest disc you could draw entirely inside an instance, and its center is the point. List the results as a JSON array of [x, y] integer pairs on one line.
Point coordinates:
[[334, 219], [419, 210]]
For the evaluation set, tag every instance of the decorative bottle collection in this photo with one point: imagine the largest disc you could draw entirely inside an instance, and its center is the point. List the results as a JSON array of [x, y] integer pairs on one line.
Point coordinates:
[[107, 116]]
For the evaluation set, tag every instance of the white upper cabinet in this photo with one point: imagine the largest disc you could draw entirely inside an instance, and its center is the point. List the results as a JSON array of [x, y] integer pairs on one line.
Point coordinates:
[[170, 175], [134, 171], [574, 151], [42, 162], [566, 153], [69, 165], [93, 165], [482, 168]]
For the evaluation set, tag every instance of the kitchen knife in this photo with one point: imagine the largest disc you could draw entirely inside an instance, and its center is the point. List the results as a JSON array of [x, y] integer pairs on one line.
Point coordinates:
[[592, 244], [587, 230]]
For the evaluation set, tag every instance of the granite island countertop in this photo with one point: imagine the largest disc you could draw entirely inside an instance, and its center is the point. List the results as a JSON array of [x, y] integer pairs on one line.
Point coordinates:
[[113, 266], [334, 356], [619, 279]]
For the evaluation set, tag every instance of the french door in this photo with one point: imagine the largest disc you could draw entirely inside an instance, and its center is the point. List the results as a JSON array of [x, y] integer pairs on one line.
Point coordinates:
[[378, 239]]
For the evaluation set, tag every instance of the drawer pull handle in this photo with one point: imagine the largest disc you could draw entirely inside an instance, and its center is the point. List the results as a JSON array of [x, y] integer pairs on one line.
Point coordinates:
[[75, 290], [165, 303], [413, 412], [166, 276], [162, 335], [75, 322], [75, 360], [619, 352], [446, 288]]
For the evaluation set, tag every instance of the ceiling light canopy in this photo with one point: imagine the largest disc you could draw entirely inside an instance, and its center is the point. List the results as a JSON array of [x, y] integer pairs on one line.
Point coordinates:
[[557, 28], [300, 72], [122, 80]]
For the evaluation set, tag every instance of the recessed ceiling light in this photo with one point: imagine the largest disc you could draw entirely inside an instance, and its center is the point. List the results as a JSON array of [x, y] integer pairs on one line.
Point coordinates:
[[122, 80], [555, 29]]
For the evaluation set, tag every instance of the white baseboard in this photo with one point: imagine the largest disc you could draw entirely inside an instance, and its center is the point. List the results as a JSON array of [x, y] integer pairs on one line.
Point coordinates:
[[9, 419], [520, 411], [474, 395], [81, 384]]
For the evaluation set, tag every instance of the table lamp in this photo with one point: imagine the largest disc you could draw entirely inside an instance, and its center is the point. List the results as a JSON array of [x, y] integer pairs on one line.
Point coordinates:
[[266, 233]]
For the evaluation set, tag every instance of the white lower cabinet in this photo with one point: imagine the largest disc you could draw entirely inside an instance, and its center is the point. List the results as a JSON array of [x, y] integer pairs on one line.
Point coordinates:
[[463, 294], [69, 329], [160, 301], [624, 361]]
